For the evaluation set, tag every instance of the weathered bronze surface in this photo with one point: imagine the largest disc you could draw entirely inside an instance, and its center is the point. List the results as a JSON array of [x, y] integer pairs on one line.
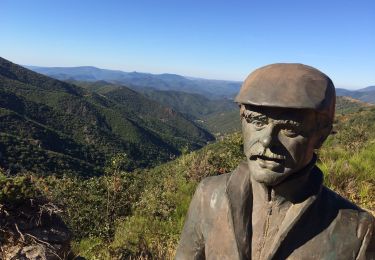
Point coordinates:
[[289, 85], [274, 206]]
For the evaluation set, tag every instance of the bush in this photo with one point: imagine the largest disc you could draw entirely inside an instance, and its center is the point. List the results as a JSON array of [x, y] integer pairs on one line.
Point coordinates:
[[16, 189]]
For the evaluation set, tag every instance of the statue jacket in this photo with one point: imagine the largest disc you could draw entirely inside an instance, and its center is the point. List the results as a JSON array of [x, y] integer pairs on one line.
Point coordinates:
[[233, 217]]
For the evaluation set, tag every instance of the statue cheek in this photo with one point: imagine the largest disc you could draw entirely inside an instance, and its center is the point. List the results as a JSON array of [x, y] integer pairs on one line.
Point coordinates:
[[251, 141], [296, 146]]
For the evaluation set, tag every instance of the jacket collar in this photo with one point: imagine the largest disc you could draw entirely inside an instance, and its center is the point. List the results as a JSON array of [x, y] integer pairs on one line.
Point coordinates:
[[240, 202], [240, 196]]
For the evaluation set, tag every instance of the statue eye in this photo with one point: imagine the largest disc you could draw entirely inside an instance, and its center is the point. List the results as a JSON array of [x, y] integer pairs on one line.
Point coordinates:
[[257, 123]]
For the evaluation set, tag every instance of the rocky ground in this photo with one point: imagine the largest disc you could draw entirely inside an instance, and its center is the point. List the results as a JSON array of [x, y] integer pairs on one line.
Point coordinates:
[[32, 230]]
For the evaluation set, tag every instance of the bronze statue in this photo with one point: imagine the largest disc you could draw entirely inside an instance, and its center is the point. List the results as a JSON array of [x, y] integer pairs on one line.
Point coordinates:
[[274, 206]]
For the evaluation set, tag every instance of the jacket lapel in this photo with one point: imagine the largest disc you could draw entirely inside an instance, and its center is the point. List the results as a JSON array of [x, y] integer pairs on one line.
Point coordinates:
[[240, 203]]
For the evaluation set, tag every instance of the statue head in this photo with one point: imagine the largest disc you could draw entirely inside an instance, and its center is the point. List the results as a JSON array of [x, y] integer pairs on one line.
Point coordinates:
[[287, 112]]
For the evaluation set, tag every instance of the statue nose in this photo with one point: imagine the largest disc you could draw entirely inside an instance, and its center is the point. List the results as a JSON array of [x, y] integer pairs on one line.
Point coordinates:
[[266, 141], [268, 137]]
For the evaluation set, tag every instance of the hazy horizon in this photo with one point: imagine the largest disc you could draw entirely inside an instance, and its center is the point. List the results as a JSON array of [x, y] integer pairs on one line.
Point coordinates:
[[186, 76]]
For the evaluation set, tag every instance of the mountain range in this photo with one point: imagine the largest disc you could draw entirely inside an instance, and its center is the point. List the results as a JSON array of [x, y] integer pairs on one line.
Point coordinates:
[[366, 94], [49, 126], [212, 89], [136, 80]]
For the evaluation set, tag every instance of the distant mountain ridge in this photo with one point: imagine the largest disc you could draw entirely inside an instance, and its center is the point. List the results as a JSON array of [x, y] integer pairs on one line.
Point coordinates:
[[210, 88], [366, 94], [370, 88], [49, 126], [166, 81]]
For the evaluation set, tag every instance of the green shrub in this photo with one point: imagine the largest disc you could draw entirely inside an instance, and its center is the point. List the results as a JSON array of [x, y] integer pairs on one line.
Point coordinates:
[[15, 189]]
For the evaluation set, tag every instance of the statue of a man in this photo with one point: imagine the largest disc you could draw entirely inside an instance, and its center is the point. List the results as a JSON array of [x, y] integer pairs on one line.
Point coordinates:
[[274, 206]]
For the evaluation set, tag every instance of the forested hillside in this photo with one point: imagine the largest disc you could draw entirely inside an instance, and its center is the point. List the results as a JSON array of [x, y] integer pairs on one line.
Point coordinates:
[[52, 127], [192, 105]]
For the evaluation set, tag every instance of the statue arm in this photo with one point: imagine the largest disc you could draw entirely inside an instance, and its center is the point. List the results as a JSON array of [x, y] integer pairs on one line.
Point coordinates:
[[371, 247], [367, 250], [191, 245]]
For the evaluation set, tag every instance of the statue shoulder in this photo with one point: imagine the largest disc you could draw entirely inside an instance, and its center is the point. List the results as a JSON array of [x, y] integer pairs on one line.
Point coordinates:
[[334, 200], [213, 183], [218, 183], [346, 210]]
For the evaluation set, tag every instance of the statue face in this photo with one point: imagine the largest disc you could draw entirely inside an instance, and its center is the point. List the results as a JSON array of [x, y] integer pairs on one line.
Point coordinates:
[[278, 141]]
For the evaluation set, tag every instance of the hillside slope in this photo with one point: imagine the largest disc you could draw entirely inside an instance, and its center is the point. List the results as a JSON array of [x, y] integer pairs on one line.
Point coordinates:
[[345, 105], [193, 105], [49, 126]]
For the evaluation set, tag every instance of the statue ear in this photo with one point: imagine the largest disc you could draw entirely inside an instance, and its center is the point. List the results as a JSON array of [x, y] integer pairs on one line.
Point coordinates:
[[323, 134]]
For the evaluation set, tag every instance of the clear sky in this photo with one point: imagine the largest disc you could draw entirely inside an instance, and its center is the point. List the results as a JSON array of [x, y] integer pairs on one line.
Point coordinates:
[[211, 39]]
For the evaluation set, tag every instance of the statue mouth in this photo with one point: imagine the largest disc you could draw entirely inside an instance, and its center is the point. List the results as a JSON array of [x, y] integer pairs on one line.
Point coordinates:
[[274, 163], [271, 158]]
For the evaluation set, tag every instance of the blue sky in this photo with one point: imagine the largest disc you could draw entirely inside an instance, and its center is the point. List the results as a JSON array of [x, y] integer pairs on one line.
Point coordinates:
[[210, 39]]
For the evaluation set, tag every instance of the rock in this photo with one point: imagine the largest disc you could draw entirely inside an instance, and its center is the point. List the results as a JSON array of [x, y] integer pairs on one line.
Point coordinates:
[[28, 232]]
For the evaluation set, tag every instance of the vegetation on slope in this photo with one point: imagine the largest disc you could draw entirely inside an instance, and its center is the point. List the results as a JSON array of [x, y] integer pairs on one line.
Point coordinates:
[[345, 105], [191, 104], [29, 224], [221, 124], [53, 127]]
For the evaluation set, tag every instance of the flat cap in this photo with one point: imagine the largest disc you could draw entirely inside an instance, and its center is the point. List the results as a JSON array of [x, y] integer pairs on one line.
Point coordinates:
[[289, 85]]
